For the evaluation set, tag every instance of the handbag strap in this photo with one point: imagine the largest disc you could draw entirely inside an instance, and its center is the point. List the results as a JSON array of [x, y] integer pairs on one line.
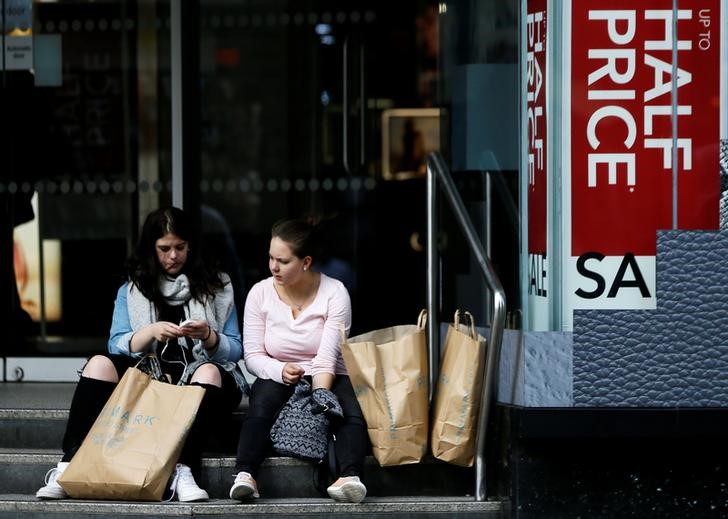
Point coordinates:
[[143, 358], [155, 369]]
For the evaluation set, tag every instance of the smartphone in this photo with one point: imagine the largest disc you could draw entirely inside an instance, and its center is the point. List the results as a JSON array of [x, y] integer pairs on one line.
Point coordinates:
[[186, 322]]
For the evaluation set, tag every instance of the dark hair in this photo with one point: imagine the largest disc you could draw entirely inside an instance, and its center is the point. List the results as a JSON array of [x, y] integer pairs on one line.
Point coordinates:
[[143, 267], [303, 236]]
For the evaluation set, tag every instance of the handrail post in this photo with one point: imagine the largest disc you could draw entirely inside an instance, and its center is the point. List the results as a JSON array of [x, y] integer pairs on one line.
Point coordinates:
[[488, 391], [437, 170], [433, 334]]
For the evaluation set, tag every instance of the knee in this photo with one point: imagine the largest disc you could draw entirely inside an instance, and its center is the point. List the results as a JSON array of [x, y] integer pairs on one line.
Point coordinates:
[[262, 410], [100, 368], [207, 374]]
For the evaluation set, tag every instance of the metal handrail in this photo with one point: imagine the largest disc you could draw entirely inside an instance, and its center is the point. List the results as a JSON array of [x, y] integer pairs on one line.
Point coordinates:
[[437, 170]]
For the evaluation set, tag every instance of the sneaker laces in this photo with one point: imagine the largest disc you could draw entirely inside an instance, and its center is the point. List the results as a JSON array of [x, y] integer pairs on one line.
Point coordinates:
[[179, 474], [184, 476], [52, 476], [172, 489]]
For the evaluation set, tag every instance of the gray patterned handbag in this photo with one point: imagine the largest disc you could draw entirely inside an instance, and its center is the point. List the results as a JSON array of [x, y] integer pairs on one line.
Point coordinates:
[[302, 427]]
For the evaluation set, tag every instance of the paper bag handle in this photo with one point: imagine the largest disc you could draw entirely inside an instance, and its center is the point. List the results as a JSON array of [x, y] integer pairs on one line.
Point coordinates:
[[342, 329], [154, 366], [422, 319], [473, 333], [148, 355], [471, 326]]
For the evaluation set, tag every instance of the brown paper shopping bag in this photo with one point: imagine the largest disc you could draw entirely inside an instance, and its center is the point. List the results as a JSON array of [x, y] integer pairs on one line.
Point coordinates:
[[133, 446], [457, 396], [388, 369]]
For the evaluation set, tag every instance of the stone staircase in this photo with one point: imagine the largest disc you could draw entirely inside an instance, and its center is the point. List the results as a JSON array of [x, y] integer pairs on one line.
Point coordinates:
[[32, 421]]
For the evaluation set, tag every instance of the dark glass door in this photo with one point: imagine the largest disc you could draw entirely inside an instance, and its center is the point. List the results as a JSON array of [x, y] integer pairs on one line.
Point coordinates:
[[294, 96]]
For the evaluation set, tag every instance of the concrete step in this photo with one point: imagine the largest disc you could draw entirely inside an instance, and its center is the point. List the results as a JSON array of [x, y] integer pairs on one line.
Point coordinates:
[[33, 419], [32, 428], [23, 472], [34, 415], [12, 506]]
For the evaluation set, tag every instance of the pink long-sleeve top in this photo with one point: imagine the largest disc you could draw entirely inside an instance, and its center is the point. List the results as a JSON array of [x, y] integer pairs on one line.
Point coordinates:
[[272, 337]]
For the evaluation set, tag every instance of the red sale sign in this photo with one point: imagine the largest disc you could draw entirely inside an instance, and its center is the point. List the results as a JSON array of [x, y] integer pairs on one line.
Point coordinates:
[[642, 86], [536, 95], [536, 106]]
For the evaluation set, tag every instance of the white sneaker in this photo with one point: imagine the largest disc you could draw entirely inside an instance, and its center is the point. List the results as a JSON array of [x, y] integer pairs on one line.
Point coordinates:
[[352, 490], [184, 486], [52, 490], [244, 487]]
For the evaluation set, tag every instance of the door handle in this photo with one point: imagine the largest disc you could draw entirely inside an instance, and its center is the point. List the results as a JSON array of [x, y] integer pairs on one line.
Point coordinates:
[[347, 126], [345, 106]]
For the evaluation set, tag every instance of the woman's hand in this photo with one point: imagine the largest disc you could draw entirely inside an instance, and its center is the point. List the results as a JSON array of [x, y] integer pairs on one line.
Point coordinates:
[[195, 329], [164, 331], [292, 373]]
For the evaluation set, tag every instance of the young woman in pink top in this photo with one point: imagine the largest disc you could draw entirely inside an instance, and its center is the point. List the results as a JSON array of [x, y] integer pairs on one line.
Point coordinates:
[[292, 329]]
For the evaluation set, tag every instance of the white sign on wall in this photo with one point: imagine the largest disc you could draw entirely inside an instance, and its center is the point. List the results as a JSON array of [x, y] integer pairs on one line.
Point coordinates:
[[18, 31]]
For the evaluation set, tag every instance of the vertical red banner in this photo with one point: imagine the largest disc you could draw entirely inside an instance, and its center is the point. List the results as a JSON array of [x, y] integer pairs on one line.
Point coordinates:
[[537, 138], [537, 170]]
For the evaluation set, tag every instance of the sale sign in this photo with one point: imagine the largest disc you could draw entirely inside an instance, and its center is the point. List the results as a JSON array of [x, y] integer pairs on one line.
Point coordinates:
[[641, 126], [538, 259]]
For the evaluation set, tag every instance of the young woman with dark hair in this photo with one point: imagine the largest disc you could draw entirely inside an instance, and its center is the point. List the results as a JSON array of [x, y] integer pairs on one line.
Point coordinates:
[[184, 311]]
